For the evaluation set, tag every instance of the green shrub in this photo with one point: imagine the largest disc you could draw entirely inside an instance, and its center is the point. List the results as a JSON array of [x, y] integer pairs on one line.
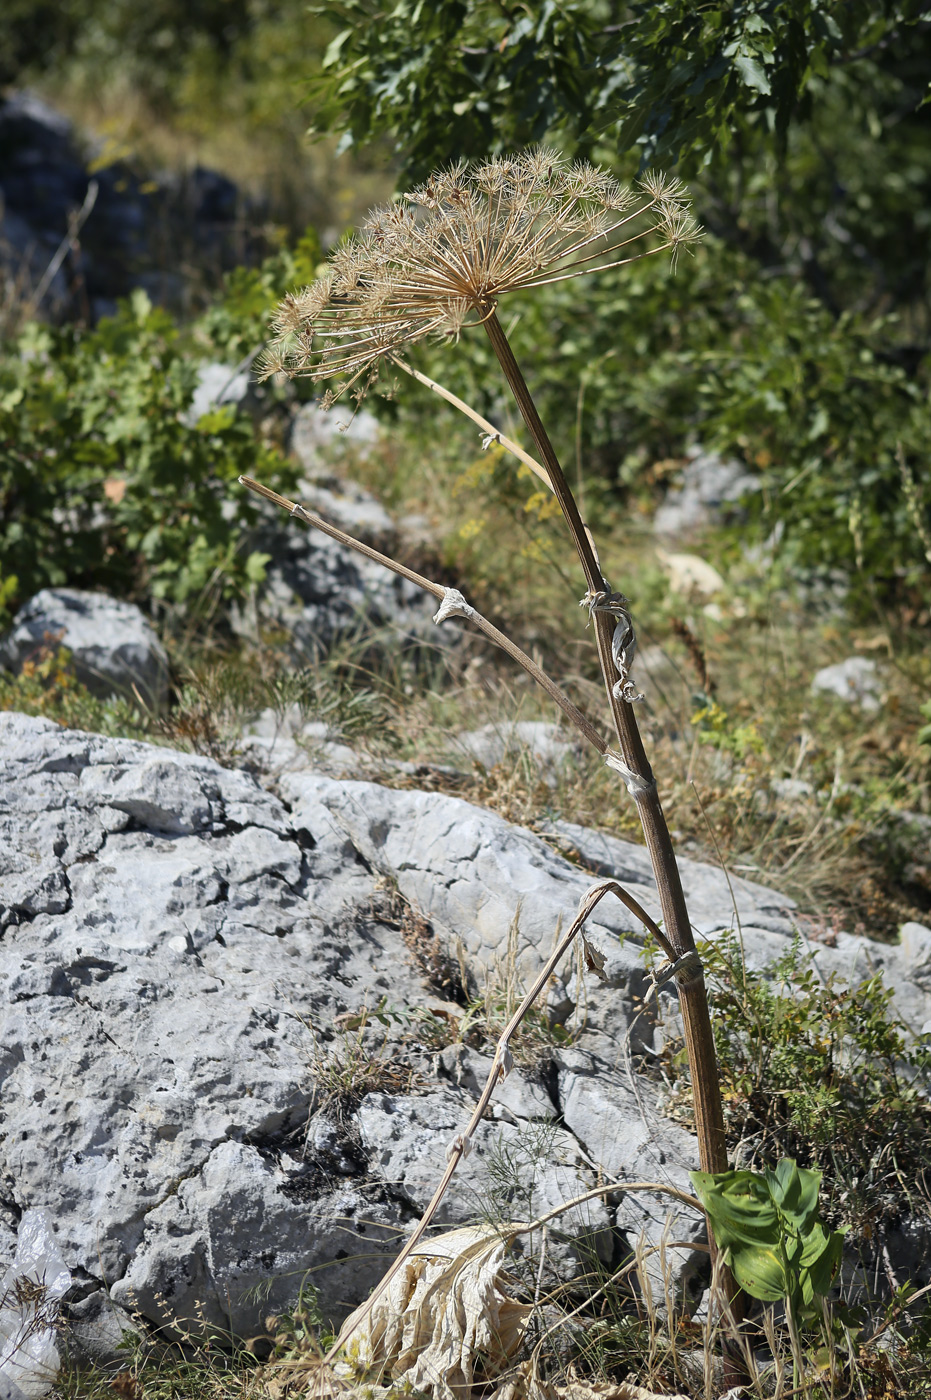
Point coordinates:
[[103, 481], [821, 409], [825, 1073]]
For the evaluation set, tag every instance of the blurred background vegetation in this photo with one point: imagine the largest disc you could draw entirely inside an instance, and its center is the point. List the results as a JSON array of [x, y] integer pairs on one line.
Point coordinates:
[[797, 339]]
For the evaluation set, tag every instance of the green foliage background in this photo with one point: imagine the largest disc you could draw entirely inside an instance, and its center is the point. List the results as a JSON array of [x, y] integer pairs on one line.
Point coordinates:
[[105, 483], [798, 338]]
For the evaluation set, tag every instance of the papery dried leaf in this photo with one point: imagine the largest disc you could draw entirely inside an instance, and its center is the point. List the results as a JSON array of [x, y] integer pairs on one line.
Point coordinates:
[[594, 959], [582, 1390], [445, 1322]]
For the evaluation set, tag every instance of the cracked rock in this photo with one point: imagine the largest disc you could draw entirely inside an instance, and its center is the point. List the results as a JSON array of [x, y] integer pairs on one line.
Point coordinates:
[[185, 1083]]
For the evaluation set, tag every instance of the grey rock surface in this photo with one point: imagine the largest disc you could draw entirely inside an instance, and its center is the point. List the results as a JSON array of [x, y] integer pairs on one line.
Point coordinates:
[[709, 493], [539, 1166], [177, 948], [496, 890], [915, 947], [317, 589], [315, 434], [175, 953], [351, 507], [135, 230], [854, 680], [764, 919], [597, 1093], [549, 745], [184, 1086], [113, 646], [218, 385]]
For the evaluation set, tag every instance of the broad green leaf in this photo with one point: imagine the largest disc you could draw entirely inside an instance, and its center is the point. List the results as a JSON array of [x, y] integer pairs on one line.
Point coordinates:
[[795, 1192], [760, 1272], [739, 1207], [824, 1269], [753, 74], [767, 1226]]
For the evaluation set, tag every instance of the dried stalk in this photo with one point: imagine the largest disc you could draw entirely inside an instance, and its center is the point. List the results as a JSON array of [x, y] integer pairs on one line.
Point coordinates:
[[439, 261], [502, 1064], [709, 1114]]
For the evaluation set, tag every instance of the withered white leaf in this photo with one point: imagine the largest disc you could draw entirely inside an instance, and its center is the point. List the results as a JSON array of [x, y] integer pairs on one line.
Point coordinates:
[[524, 1384], [445, 1322]]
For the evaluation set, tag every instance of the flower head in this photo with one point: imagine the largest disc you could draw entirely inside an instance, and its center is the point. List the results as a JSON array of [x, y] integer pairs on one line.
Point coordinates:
[[440, 258]]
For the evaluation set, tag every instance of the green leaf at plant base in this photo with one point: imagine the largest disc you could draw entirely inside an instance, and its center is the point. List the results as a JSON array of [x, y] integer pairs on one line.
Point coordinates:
[[740, 1206], [821, 1258], [795, 1193], [767, 1226]]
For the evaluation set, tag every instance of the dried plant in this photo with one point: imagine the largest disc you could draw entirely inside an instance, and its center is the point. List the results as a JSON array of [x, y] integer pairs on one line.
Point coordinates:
[[436, 263], [440, 258]]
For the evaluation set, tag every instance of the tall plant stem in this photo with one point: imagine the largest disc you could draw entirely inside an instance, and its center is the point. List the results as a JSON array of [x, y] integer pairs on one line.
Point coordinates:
[[693, 998]]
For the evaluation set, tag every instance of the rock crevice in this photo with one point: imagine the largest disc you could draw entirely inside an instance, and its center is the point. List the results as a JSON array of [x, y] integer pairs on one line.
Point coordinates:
[[188, 1081]]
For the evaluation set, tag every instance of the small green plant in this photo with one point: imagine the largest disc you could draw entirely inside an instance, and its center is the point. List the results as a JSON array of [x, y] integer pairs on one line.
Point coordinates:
[[238, 321], [824, 1071], [768, 1226], [716, 728], [104, 481], [47, 686], [300, 1333]]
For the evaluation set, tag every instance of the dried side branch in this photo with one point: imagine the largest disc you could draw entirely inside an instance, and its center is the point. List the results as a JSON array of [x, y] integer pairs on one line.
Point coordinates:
[[449, 607], [502, 1064]]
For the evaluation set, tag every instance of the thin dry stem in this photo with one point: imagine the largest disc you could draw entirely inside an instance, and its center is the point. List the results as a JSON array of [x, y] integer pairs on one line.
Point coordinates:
[[500, 639], [502, 1064], [709, 1114], [494, 434]]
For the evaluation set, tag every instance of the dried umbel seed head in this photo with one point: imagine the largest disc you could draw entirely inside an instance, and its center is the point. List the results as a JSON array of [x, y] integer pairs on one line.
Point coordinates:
[[440, 258]]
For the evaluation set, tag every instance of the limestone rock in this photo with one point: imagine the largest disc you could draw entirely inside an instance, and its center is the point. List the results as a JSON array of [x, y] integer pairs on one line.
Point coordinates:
[[854, 680], [548, 745], [113, 646], [132, 236], [176, 952], [539, 1166], [244, 1225], [349, 506], [186, 1086], [218, 385], [315, 434], [708, 493], [497, 890], [317, 589]]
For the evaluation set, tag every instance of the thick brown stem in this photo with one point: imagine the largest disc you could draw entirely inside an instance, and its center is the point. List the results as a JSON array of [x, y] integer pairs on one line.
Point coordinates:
[[693, 999]]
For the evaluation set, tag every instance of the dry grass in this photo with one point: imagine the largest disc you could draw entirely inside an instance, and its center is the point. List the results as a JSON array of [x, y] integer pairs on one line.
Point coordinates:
[[786, 786], [616, 1335]]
